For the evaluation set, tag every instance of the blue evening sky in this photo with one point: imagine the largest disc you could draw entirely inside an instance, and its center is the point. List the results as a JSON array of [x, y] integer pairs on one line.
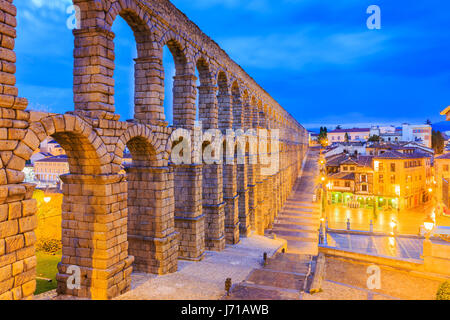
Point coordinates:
[[317, 58]]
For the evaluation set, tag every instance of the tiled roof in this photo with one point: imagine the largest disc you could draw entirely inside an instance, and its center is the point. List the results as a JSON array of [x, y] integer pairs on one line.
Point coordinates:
[[350, 130], [349, 161], [62, 158], [444, 156], [398, 155], [365, 161], [343, 176], [335, 160]]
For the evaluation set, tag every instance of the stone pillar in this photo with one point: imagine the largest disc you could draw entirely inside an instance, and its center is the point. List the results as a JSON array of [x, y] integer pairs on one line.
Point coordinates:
[[213, 204], [184, 98], [18, 218], [94, 236], [151, 228], [93, 83], [242, 174], [230, 194], [213, 207], [259, 189], [243, 192], [189, 218], [149, 90], [251, 182]]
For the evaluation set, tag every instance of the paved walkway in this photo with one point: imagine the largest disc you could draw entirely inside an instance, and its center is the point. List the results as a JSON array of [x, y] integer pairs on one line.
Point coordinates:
[[204, 280], [396, 247], [298, 222], [287, 275]]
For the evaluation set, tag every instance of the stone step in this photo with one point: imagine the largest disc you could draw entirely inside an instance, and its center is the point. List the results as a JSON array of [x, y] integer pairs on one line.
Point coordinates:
[[289, 263], [301, 204], [306, 237], [303, 247], [293, 228], [291, 219], [247, 291], [299, 214], [297, 226], [277, 279]]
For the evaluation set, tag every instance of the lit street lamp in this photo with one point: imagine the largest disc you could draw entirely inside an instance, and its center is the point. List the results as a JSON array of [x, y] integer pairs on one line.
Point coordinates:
[[393, 225], [429, 226]]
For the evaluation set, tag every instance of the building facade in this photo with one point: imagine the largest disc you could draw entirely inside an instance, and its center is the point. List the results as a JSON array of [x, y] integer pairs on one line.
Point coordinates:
[[354, 135], [390, 180], [417, 133]]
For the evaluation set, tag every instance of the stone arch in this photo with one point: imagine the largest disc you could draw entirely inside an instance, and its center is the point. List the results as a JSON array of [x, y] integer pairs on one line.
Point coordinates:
[[94, 47], [222, 82], [145, 147], [238, 108], [225, 101], [207, 99], [247, 114], [184, 82], [150, 195], [178, 48], [86, 151]]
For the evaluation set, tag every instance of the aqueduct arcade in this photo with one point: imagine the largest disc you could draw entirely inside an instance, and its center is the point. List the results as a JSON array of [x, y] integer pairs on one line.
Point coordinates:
[[158, 212]]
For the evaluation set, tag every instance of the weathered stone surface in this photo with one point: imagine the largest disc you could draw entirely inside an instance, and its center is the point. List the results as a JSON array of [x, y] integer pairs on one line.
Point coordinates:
[[157, 212]]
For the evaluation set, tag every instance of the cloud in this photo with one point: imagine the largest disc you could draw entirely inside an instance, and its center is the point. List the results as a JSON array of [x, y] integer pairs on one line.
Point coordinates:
[[308, 46], [60, 5]]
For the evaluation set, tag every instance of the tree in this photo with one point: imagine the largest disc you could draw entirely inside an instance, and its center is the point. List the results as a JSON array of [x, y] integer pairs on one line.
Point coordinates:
[[437, 142], [323, 136], [374, 138], [347, 137], [428, 122], [338, 127]]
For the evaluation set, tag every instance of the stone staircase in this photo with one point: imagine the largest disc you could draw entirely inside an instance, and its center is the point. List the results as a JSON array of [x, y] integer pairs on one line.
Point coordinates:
[[298, 223], [284, 277]]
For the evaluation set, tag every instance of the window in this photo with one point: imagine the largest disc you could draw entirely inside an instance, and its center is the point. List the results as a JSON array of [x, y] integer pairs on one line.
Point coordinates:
[[345, 168], [352, 168], [446, 168], [347, 184], [392, 167], [393, 178], [363, 178], [364, 187], [381, 178]]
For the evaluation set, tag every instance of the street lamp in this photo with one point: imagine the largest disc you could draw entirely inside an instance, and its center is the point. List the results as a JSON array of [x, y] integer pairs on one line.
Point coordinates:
[[393, 225], [324, 194], [429, 226]]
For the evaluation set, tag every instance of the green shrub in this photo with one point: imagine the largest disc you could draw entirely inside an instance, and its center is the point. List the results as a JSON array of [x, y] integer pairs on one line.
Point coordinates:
[[50, 246], [443, 291]]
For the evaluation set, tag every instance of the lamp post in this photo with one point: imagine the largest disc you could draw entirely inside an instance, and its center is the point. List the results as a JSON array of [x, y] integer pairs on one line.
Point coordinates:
[[429, 226], [393, 225], [323, 179], [427, 245]]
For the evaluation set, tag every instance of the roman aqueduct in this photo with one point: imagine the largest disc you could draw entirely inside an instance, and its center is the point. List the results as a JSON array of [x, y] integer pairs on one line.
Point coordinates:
[[157, 212]]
